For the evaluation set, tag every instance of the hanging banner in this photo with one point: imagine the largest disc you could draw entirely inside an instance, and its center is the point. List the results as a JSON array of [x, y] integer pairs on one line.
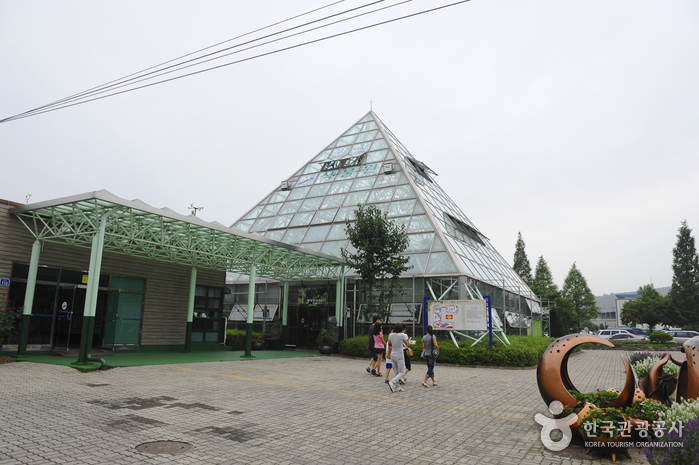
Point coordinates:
[[458, 315]]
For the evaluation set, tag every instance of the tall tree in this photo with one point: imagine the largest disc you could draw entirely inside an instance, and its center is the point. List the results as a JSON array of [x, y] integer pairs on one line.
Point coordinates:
[[650, 308], [684, 293], [542, 284], [582, 300], [379, 243], [521, 261]]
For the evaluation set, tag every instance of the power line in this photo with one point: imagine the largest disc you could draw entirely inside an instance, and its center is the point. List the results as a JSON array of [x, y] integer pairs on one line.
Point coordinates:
[[291, 47]]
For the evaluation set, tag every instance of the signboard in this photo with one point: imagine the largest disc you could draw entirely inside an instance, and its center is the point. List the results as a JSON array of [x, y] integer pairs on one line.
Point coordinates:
[[306, 180], [4, 282], [458, 315]]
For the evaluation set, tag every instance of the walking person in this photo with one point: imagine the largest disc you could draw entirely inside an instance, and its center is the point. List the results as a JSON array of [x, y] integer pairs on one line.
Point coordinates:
[[378, 346], [429, 343], [389, 365], [371, 369], [397, 341], [407, 353]]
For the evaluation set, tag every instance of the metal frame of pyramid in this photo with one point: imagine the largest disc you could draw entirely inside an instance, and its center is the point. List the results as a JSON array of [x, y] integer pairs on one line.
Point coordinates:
[[368, 164]]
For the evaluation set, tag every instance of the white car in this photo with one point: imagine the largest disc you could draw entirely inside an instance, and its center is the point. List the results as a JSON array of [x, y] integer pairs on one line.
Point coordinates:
[[681, 337], [627, 337], [607, 333]]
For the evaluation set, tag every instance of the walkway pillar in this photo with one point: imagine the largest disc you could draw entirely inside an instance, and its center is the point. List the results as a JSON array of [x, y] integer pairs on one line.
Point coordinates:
[[29, 298], [285, 309], [93, 280], [251, 310], [190, 310], [340, 304]]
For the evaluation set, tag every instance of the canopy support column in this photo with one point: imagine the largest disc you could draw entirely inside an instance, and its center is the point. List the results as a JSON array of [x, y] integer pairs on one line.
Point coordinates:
[[93, 280], [251, 310], [285, 310], [190, 310], [29, 298], [340, 303]]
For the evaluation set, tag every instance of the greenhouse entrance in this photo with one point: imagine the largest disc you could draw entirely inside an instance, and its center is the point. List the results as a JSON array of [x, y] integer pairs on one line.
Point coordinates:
[[305, 323]]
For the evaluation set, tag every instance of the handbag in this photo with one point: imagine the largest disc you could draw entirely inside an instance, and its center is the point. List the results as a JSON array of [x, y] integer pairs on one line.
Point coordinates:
[[409, 352], [435, 351]]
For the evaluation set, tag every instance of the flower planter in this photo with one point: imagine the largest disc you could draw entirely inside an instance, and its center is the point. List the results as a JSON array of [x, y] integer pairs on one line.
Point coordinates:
[[325, 349], [616, 445], [258, 345]]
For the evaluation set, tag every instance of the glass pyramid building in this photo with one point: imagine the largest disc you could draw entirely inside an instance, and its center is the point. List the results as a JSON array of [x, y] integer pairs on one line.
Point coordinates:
[[367, 164]]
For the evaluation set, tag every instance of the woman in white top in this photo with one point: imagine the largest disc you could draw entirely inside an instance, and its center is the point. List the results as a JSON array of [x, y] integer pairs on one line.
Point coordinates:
[[397, 341]]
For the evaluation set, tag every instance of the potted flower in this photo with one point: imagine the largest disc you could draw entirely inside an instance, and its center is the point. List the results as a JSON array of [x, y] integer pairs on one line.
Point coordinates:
[[606, 428], [325, 341], [257, 341]]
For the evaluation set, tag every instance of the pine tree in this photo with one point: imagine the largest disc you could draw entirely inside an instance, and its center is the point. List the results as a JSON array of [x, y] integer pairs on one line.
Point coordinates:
[[542, 284], [580, 297], [684, 293], [521, 261]]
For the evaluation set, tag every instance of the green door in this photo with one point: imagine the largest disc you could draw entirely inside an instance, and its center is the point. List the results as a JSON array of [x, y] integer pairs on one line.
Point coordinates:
[[122, 323]]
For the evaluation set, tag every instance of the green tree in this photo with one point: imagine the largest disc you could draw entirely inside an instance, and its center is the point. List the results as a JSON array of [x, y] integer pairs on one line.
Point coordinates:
[[581, 299], [521, 261], [542, 284], [684, 293], [650, 308], [379, 243]]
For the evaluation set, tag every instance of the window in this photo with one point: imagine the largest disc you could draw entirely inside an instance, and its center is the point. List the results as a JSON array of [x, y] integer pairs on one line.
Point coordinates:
[[463, 232]]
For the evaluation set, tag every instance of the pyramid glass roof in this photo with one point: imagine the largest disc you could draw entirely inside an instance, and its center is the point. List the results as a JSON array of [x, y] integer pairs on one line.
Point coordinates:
[[367, 164]]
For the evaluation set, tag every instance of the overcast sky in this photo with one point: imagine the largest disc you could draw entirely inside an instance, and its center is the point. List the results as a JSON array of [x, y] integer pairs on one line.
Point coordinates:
[[573, 122]]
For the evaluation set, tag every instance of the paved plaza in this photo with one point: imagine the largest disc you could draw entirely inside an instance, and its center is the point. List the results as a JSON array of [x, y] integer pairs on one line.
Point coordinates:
[[315, 410]]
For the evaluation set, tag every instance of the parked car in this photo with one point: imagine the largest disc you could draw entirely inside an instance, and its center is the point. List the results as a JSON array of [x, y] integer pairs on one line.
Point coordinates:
[[607, 333], [627, 337], [681, 337]]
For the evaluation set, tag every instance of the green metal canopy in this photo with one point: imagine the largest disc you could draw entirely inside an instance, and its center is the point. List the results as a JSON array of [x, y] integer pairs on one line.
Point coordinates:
[[136, 229]]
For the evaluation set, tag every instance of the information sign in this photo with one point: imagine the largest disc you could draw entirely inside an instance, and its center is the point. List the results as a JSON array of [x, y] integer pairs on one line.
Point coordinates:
[[458, 315]]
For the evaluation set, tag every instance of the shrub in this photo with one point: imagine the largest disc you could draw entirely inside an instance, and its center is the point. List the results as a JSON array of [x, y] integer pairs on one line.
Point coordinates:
[[325, 338], [684, 411], [643, 367], [598, 397], [236, 338], [604, 422], [687, 453], [659, 337], [355, 347], [640, 356], [648, 410]]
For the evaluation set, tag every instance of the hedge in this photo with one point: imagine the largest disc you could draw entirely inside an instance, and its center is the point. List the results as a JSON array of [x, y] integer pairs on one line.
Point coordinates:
[[522, 352], [236, 338]]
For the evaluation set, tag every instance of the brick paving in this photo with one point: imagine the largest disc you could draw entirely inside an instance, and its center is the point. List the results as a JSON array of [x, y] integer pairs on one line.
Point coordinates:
[[319, 410]]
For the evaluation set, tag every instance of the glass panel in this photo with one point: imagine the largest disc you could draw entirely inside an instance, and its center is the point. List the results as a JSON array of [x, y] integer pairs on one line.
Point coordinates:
[[279, 196], [319, 190], [306, 180], [354, 129], [281, 221], [347, 173], [419, 224], [302, 219], [440, 263], [403, 207], [347, 140], [371, 169], [387, 180], [418, 210], [322, 155], [275, 235], [244, 225], [333, 201], [382, 206], [333, 247], [316, 233], [362, 184], [404, 192], [353, 198], [367, 136], [337, 232], [369, 125], [340, 187], [314, 246], [339, 152], [379, 144], [310, 204], [324, 216], [261, 225], [326, 176], [346, 213], [294, 236], [298, 193], [366, 118], [420, 242], [360, 148], [380, 195], [271, 209], [254, 213], [373, 157], [418, 261], [290, 207], [437, 246]]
